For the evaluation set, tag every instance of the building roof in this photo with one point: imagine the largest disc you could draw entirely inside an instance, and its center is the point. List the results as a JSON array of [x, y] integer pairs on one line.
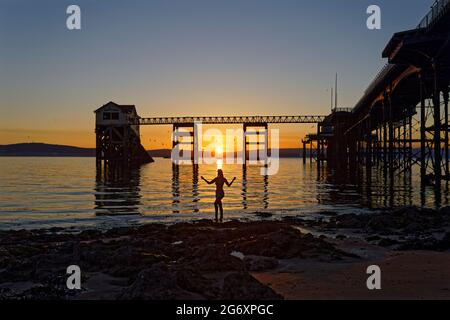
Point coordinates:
[[126, 108]]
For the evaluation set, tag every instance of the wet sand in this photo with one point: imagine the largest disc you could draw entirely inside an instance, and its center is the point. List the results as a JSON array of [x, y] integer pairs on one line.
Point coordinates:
[[406, 275], [290, 259]]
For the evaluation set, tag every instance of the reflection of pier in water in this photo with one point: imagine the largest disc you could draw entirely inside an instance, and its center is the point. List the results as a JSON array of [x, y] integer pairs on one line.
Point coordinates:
[[245, 186], [374, 188], [118, 194], [176, 193], [177, 179], [180, 192]]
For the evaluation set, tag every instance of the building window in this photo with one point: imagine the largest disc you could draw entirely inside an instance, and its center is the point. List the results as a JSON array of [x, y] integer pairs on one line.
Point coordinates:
[[106, 115], [115, 116]]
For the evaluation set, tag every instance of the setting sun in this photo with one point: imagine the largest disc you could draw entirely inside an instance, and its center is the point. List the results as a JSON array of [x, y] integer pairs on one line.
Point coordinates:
[[219, 151]]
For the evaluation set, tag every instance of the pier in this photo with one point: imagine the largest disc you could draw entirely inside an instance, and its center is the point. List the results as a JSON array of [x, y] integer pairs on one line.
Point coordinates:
[[402, 118], [400, 121], [113, 146]]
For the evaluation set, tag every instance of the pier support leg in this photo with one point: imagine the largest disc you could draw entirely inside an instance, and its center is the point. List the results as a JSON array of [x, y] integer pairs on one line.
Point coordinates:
[[391, 136], [318, 146], [266, 143], [405, 159], [369, 147], [192, 133], [437, 129], [195, 146], [244, 146], [410, 147], [257, 143], [446, 132], [174, 145], [304, 152], [423, 169], [385, 147], [244, 186], [375, 148], [98, 151], [369, 150]]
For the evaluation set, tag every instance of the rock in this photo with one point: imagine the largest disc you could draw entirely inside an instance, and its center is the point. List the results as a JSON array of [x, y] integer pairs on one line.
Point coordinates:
[[46, 292], [263, 215], [428, 243], [413, 227], [373, 238], [237, 254], [155, 261], [408, 210], [158, 283], [328, 213], [409, 220], [349, 221], [387, 242], [255, 263], [91, 234], [155, 283], [242, 286], [212, 258], [6, 294], [380, 223], [445, 211], [284, 243], [444, 244]]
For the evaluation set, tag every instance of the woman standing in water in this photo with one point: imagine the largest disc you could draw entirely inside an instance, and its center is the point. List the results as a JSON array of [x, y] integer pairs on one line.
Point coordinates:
[[220, 180]]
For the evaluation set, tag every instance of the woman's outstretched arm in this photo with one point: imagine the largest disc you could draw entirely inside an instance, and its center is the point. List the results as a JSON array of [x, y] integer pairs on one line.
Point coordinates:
[[229, 184], [208, 182]]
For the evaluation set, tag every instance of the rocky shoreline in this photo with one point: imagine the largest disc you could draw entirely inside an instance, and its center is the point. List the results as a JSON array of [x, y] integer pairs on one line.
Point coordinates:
[[203, 260], [406, 228]]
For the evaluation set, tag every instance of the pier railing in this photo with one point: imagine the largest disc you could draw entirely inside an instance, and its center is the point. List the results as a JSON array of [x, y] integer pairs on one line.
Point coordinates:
[[232, 120], [334, 110], [437, 9], [377, 79]]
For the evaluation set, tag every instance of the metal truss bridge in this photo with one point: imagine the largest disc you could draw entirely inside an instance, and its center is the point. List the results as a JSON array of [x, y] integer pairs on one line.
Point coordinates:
[[232, 120]]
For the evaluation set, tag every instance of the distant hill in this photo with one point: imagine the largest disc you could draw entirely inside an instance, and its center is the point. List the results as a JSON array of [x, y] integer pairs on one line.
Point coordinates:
[[159, 153], [53, 150], [44, 150]]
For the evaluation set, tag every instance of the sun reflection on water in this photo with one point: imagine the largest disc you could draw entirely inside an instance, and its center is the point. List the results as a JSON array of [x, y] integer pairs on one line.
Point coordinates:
[[219, 163]]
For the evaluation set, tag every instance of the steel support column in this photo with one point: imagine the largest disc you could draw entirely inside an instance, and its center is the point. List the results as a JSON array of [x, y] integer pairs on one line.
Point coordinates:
[[437, 128], [423, 169], [391, 135], [446, 132]]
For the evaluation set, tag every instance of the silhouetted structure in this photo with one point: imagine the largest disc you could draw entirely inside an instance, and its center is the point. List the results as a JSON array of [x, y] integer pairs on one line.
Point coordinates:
[[404, 109], [118, 142], [260, 124], [118, 139]]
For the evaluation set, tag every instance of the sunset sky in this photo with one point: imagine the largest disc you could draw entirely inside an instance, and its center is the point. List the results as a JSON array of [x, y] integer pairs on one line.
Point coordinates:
[[185, 58]]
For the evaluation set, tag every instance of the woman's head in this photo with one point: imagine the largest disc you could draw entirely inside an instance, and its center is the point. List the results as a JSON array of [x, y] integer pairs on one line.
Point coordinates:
[[220, 173]]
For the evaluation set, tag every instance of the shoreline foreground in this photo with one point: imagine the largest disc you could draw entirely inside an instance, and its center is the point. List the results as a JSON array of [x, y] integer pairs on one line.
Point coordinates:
[[264, 260]]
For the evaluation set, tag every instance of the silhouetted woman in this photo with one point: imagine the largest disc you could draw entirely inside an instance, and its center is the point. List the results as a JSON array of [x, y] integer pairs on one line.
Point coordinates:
[[220, 180]]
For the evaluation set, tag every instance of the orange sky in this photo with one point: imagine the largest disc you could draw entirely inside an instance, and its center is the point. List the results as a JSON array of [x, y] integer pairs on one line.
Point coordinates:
[[186, 58], [153, 137]]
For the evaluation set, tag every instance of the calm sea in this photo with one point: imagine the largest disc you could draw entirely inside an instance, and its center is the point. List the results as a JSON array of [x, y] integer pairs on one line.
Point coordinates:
[[44, 192]]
